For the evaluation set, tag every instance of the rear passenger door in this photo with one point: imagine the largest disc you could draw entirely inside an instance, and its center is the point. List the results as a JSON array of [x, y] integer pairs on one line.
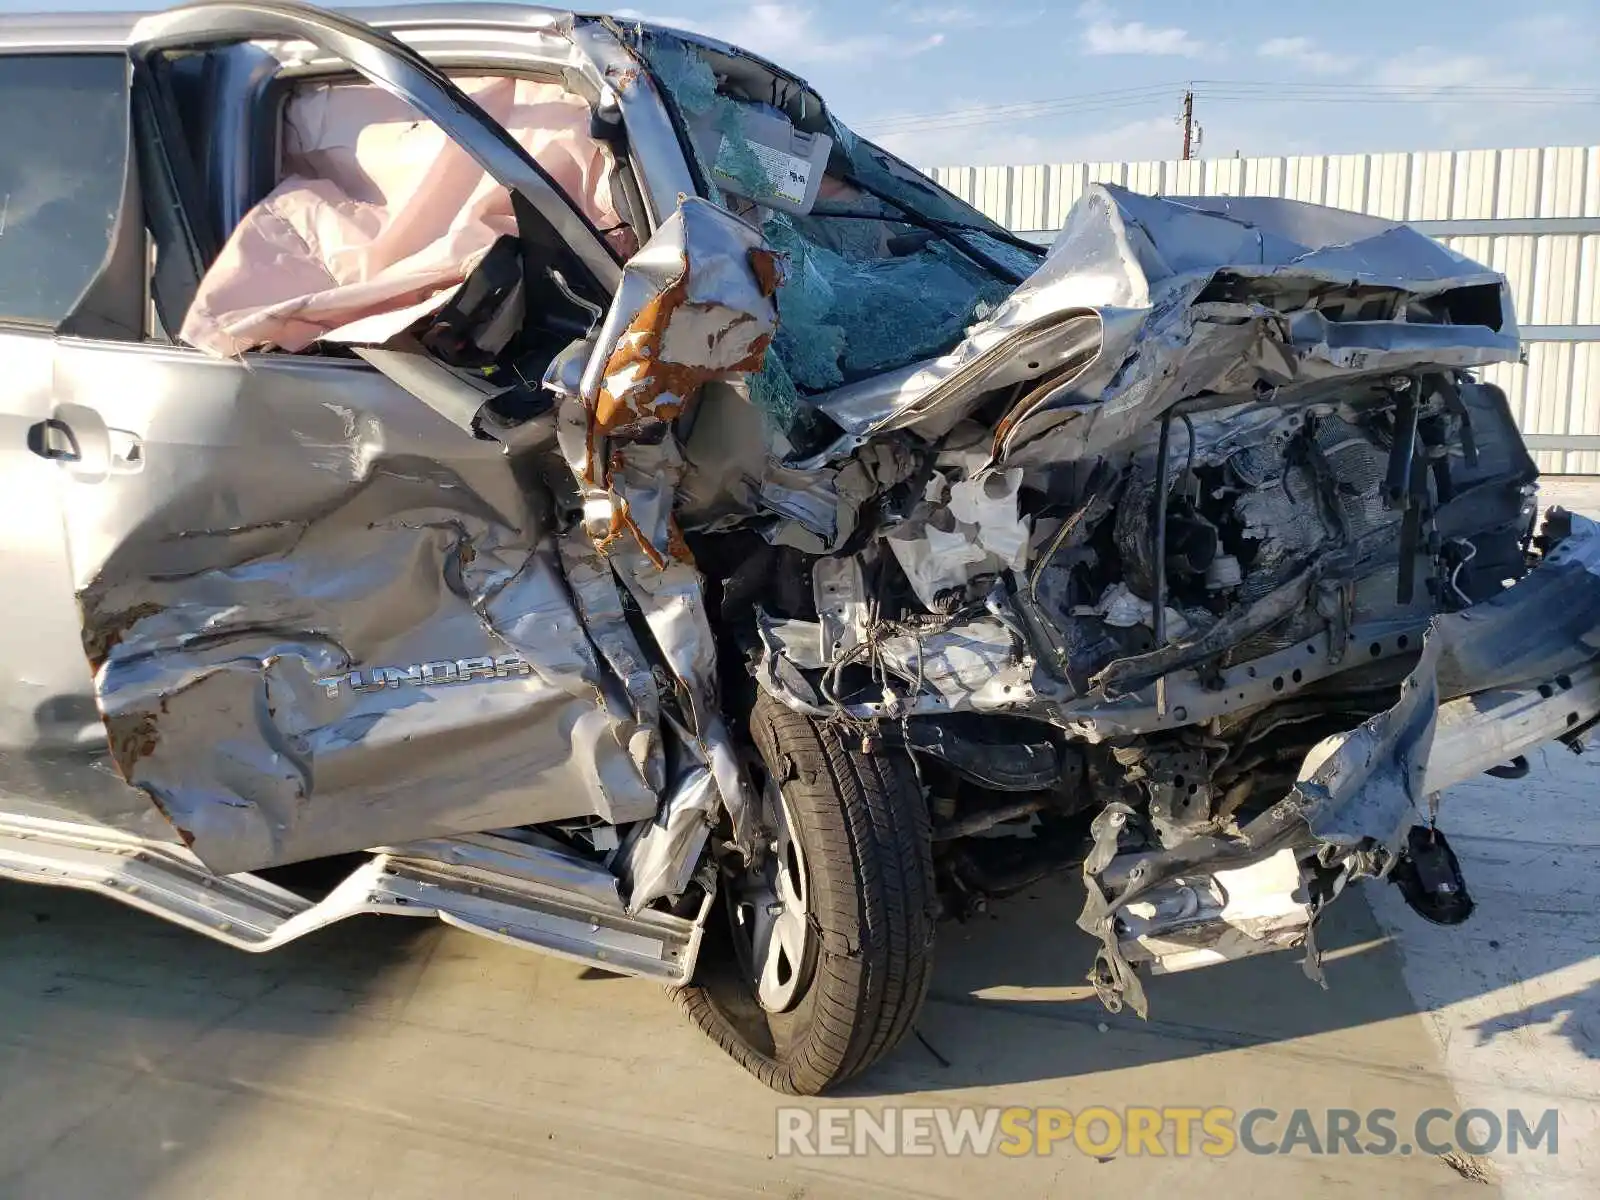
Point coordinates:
[[64, 141]]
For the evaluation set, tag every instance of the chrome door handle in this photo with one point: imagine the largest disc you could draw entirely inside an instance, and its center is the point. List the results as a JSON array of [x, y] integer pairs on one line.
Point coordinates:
[[53, 438]]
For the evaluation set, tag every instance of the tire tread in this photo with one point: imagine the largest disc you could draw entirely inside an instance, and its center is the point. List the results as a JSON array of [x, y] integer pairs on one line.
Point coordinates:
[[866, 817]]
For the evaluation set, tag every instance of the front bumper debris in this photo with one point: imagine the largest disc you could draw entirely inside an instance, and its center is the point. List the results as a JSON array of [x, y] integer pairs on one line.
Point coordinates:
[[1492, 683]]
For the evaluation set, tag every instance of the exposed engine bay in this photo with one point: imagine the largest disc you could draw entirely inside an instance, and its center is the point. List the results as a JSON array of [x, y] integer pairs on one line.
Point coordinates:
[[1298, 548], [1179, 510]]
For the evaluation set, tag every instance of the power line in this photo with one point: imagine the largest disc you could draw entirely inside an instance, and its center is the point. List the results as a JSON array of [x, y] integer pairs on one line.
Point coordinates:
[[1257, 99], [1102, 94], [1465, 89], [1158, 102], [1028, 108], [1237, 91]]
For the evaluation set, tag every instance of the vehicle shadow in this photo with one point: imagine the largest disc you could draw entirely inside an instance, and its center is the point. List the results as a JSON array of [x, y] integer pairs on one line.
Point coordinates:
[[1575, 1018], [101, 1005], [1010, 1002]]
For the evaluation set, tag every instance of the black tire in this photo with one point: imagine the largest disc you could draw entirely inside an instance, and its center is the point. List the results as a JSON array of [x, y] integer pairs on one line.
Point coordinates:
[[863, 826]]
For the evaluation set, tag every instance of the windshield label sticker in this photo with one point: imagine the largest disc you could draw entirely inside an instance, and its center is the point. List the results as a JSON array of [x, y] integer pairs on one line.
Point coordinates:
[[787, 175]]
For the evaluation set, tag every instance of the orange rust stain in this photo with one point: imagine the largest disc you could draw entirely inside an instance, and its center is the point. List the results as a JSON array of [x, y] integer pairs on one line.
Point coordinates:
[[640, 389], [107, 631], [641, 385], [676, 546], [620, 525], [623, 525], [640, 347], [768, 268], [185, 834], [657, 559], [623, 77], [132, 738]]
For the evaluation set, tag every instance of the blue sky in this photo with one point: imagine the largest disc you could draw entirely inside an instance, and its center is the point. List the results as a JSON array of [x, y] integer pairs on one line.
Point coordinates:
[[879, 59], [1123, 65]]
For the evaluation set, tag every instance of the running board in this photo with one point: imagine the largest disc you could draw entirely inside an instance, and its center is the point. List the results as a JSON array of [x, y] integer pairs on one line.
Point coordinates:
[[536, 896]]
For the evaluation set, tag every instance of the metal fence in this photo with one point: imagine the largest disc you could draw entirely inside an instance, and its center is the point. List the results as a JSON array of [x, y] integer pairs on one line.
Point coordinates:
[[1533, 214]]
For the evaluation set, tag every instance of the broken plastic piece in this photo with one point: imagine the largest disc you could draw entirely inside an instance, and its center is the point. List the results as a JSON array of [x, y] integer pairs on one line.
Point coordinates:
[[1121, 609], [1429, 877], [936, 559], [990, 503]]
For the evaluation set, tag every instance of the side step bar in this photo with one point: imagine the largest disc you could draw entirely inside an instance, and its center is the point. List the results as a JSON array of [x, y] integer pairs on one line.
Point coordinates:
[[536, 896]]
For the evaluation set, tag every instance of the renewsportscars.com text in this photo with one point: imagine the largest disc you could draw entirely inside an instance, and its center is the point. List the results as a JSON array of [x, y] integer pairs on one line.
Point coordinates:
[[1159, 1132]]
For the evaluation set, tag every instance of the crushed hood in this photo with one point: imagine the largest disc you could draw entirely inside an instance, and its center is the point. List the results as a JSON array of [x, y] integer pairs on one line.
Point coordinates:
[[1146, 300]]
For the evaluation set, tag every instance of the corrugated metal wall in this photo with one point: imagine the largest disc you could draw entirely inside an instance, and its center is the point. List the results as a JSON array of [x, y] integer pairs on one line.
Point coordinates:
[[1533, 214]]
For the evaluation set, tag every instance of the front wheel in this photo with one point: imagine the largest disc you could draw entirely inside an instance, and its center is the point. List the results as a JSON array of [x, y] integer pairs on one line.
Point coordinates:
[[821, 961]]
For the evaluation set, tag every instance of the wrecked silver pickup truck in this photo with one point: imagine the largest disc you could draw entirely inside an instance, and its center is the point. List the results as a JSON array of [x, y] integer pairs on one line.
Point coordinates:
[[551, 467]]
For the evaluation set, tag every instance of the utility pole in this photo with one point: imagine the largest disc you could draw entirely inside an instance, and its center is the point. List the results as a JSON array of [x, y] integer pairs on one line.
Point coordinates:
[[1188, 125]]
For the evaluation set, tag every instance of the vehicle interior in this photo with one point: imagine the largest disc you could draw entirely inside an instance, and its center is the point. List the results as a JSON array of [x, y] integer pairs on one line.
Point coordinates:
[[324, 211], [321, 213]]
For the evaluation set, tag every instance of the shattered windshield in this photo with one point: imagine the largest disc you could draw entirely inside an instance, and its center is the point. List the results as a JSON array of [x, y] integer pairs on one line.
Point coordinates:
[[884, 267]]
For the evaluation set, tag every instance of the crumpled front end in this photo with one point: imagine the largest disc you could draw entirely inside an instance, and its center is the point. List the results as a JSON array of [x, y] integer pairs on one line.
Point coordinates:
[[696, 309], [1491, 683], [1212, 512]]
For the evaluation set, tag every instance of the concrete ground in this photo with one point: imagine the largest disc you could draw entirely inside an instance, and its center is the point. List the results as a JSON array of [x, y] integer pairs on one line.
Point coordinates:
[[401, 1059]]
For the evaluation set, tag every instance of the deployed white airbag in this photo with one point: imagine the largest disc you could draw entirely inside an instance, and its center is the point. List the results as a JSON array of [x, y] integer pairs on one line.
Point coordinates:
[[380, 216]]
